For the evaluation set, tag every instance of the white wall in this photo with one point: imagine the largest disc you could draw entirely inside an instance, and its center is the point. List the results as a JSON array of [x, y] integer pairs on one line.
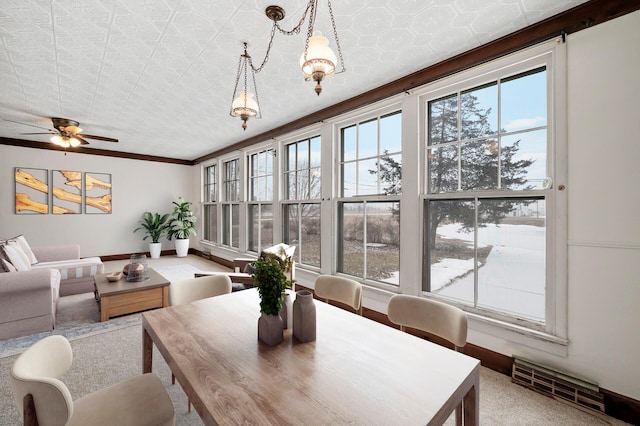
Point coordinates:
[[138, 186]]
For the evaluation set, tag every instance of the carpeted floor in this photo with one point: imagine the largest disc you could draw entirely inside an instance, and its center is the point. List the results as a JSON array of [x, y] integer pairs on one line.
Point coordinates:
[[104, 356]]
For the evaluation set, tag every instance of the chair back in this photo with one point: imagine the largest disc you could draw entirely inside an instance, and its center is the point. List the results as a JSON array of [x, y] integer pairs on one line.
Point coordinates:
[[36, 372], [191, 289], [432, 316], [340, 289]]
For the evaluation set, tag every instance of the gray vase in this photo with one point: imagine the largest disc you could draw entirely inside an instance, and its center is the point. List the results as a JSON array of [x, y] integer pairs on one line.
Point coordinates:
[[304, 317], [270, 329]]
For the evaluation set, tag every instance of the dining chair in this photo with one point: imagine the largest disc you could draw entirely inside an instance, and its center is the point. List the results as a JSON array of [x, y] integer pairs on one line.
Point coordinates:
[[431, 316], [192, 289], [46, 401], [339, 289]]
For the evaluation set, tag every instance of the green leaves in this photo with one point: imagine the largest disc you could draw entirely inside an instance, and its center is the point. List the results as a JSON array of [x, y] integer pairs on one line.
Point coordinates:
[[270, 279], [154, 225], [182, 221]]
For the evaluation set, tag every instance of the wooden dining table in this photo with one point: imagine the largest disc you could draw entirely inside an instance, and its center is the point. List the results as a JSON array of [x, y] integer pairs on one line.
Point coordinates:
[[357, 371]]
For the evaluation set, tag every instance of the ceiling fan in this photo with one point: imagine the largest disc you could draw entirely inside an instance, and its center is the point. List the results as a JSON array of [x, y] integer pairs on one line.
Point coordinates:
[[67, 133]]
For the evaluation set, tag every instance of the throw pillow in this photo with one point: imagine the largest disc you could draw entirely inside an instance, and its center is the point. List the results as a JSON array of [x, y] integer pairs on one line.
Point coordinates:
[[24, 245], [7, 266], [13, 253], [22, 241]]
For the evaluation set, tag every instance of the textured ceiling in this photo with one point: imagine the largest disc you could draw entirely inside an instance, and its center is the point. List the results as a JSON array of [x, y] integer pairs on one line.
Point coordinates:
[[158, 74]]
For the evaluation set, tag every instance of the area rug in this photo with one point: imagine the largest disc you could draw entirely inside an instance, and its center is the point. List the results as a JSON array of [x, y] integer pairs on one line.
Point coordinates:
[[79, 316]]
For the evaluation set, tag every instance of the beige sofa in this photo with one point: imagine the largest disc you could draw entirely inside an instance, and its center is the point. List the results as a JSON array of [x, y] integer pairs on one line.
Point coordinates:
[[29, 299]]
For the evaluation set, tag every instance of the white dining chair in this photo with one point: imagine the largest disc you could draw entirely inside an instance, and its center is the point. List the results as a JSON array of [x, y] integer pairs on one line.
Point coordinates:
[[46, 401], [192, 289], [339, 289], [432, 316]]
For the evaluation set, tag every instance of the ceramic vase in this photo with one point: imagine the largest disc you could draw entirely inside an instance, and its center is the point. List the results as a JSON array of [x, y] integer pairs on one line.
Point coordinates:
[[270, 329], [304, 317], [286, 312], [155, 249]]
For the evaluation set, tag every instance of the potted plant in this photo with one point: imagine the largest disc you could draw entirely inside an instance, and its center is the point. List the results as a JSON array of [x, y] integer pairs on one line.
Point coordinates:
[[270, 279], [154, 225], [181, 226]]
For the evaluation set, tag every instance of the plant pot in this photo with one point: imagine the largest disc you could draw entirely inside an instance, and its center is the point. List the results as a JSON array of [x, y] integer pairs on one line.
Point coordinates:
[[182, 247], [155, 249], [270, 329]]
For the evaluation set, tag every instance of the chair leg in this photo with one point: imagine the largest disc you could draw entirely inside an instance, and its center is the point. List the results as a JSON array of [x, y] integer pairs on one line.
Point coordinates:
[[173, 379], [29, 411], [188, 405]]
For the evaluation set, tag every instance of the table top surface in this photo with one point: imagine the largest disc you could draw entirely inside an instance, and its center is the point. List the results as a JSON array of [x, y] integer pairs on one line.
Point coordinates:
[[109, 288], [357, 371]]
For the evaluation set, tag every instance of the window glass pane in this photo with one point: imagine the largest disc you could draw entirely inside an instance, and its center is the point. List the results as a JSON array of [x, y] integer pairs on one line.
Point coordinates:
[[315, 152], [290, 185], [519, 115], [303, 184], [309, 247], [391, 174], [349, 144], [511, 277], [292, 228], [368, 177], [479, 165], [266, 225], [443, 120], [226, 224], [349, 180], [352, 239], [479, 110], [303, 155], [235, 225], [391, 133], [315, 190], [450, 248], [443, 169], [524, 160], [291, 159], [368, 139], [253, 232], [210, 223], [383, 242]]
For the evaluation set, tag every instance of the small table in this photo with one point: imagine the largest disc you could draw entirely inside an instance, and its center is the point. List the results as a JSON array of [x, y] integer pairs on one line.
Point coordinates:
[[122, 297]]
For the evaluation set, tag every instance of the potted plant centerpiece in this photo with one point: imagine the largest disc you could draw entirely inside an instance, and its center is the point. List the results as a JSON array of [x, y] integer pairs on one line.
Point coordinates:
[[181, 226], [270, 279], [154, 225]]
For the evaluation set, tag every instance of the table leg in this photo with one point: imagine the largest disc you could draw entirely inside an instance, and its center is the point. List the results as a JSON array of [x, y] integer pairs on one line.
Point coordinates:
[[147, 352], [471, 403]]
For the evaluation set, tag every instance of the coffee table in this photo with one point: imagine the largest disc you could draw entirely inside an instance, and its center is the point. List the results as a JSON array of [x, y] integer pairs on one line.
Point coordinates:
[[122, 297]]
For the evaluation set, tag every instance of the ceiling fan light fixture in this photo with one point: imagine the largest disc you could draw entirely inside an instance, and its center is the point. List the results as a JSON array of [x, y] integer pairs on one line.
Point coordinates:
[[74, 142]]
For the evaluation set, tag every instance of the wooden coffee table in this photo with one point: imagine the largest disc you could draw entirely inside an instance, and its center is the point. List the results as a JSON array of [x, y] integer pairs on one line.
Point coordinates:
[[122, 297]]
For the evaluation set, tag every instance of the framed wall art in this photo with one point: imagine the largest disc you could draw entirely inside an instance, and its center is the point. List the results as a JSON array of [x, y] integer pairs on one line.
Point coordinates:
[[67, 192], [32, 191], [97, 193]]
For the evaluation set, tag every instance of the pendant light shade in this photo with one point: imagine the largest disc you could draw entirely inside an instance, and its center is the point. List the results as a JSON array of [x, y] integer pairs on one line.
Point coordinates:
[[318, 60]]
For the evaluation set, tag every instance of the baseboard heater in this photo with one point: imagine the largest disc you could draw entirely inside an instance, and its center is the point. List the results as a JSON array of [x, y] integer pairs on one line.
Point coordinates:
[[561, 386]]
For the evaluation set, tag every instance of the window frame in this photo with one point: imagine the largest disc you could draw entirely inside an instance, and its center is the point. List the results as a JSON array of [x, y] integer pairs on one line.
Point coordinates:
[[207, 202], [227, 206], [269, 154], [551, 54], [385, 108]]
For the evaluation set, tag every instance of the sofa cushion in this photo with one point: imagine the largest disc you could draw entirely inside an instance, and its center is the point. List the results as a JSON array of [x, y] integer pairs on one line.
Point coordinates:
[[22, 242], [74, 268], [12, 252]]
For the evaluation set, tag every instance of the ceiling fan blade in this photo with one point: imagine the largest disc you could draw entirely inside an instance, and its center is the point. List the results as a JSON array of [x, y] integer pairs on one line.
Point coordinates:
[[36, 133], [82, 141], [25, 124], [99, 138]]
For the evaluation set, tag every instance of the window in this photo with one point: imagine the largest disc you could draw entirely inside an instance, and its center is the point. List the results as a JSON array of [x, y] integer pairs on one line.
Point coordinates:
[[210, 207], [487, 158], [230, 204], [301, 208], [260, 205], [369, 208]]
